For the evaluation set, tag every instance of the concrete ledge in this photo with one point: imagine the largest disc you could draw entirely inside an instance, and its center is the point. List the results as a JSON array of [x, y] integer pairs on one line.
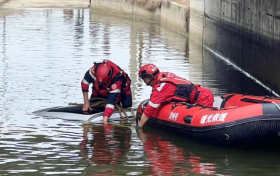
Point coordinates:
[[175, 16], [124, 8], [44, 4], [169, 14]]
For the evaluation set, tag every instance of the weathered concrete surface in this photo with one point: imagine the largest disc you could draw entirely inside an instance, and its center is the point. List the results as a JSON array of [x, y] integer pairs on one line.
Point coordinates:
[[125, 8], [175, 16], [196, 20], [44, 4], [170, 14], [245, 31], [258, 18]]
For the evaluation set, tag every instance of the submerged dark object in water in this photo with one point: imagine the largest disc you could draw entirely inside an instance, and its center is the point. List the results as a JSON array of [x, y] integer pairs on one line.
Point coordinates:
[[75, 113], [77, 109]]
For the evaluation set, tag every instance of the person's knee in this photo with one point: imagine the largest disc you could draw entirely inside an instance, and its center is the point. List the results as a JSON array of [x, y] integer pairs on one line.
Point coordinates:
[[127, 104], [127, 101], [205, 99]]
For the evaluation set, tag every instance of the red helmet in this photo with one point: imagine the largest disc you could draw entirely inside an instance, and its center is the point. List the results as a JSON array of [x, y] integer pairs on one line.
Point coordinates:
[[103, 73], [148, 70]]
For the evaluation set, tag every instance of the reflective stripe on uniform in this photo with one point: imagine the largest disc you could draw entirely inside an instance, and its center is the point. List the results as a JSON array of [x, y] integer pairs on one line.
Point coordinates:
[[115, 91], [85, 82], [110, 106], [153, 105], [91, 74]]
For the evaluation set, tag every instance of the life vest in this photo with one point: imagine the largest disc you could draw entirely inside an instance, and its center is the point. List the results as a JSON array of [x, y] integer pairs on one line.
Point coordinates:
[[103, 90], [184, 87]]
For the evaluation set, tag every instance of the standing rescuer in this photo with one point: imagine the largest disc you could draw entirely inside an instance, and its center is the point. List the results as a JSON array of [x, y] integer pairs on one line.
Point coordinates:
[[167, 87], [110, 82]]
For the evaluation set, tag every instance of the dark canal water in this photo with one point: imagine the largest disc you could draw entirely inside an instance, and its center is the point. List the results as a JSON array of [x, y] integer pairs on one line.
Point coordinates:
[[44, 54]]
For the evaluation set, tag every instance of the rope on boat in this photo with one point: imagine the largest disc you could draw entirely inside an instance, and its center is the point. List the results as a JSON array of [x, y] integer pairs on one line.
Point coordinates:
[[276, 105], [101, 102]]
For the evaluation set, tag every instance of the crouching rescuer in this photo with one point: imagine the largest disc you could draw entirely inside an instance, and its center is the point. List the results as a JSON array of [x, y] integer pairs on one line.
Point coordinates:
[[167, 87], [109, 82]]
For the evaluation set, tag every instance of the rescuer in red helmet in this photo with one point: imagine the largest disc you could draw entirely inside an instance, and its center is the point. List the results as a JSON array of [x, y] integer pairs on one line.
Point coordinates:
[[110, 82], [167, 87]]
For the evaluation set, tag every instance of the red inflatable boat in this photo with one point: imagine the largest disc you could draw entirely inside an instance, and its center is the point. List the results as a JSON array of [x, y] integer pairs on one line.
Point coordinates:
[[239, 119]]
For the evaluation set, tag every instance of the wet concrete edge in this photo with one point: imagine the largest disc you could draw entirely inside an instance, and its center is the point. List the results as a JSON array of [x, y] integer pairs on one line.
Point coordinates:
[[169, 14]]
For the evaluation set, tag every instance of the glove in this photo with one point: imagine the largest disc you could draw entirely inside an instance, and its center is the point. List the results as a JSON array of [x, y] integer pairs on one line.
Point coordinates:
[[137, 127]]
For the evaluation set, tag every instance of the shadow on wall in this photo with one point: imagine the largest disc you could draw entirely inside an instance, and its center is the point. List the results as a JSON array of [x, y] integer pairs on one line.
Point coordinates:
[[257, 57], [245, 32]]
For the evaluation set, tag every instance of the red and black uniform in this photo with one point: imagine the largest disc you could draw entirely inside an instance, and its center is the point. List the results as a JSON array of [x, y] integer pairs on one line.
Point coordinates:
[[167, 87], [116, 90]]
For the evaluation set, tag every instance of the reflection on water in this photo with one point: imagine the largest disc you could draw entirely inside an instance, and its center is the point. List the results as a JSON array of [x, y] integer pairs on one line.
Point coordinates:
[[44, 55], [166, 158], [108, 146], [109, 143], [170, 156]]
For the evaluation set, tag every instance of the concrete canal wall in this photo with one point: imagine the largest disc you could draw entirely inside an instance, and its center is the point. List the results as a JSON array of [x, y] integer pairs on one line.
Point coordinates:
[[170, 14], [258, 18], [247, 32]]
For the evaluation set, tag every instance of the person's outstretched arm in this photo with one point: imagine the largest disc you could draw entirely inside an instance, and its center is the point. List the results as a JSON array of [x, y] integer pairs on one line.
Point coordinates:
[[160, 93], [113, 97], [87, 80]]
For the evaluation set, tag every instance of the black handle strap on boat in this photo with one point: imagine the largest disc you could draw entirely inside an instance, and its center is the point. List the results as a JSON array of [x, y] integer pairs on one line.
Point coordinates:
[[260, 101], [254, 101], [276, 105], [272, 97]]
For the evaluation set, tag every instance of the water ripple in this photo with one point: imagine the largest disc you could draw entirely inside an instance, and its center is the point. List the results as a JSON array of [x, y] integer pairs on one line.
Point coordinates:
[[44, 55]]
